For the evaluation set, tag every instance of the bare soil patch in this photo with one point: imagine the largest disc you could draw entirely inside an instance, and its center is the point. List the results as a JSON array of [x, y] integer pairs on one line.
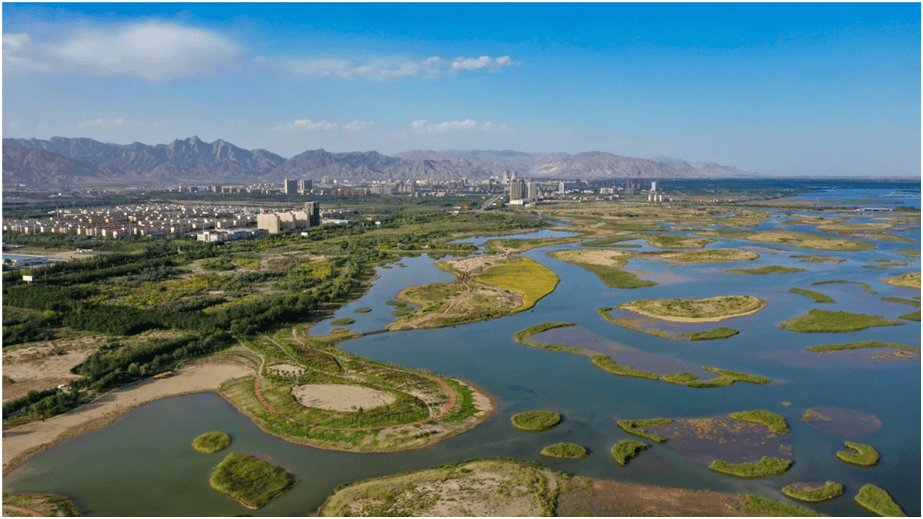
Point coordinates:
[[340, 397]]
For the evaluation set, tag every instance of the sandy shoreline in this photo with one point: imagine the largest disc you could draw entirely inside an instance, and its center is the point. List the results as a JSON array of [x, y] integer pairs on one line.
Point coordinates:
[[22, 442]]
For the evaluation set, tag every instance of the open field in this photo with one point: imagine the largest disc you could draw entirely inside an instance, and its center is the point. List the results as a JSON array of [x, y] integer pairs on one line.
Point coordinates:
[[813, 493], [249, 481], [711, 309], [523, 275], [816, 321]]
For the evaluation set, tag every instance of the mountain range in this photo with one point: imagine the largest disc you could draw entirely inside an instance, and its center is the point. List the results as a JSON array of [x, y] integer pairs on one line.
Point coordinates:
[[62, 162]]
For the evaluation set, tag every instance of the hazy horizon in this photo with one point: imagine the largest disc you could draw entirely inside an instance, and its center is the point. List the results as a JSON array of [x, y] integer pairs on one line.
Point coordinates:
[[779, 89]]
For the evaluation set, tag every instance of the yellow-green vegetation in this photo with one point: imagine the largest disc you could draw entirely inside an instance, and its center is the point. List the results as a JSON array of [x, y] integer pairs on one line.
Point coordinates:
[[865, 286], [639, 326], [771, 507], [910, 253], [362, 310], [626, 449], [696, 310], [878, 501], [795, 239], [773, 421], [48, 505], [860, 454], [606, 264], [811, 415], [902, 300], [685, 379], [536, 421], [817, 297], [249, 481], [525, 337], [672, 241], [709, 256], [524, 275], [608, 242], [911, 316], [515, 245], [766, 466], [633, 427], [825, 321], [803, 492], [211, 442], [817, 258], [861, 345], [342, 322], [714, 333], [768, 269], [909, 280], [482, 488], [564, 450]]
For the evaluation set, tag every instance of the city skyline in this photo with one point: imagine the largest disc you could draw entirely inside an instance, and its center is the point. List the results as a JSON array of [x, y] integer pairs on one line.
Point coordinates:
[[780, 89]]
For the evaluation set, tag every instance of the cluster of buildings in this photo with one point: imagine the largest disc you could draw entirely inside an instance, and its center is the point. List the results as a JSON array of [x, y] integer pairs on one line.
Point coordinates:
[[277, 222]]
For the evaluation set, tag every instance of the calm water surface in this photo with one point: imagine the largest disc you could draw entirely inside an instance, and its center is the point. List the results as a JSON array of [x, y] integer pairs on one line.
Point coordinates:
[[143, 464]]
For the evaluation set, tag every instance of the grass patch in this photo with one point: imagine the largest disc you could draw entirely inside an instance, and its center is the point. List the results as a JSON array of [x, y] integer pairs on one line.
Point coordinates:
[[817, 297], [607, 265], [605, 363], [811, 415], [912, 316], [816, 258], [803, 240], [861, 345], [768, 269], [606, 242], [865, 286], [249, 481], [397, 303], [714, 333], [211, 442], [48, 505], [710, 256], [727, 378], [632, 427], [564, 450], [860, 454], [536, 421], [524, 275], [617, 278], [362, 310], [910, 253], [773, 421], [754, 469], [626, 449], [819, 321], [672, 241], [525, 337], [829, 491], [902, 300], [710, 308], [878, 501], [342, 322], [771, 507]]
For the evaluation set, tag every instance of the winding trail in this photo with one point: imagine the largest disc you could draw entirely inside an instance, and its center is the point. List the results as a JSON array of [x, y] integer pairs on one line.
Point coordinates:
[[33, 513]]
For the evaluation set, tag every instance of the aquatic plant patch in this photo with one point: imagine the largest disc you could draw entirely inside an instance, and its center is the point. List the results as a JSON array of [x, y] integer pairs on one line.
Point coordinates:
[[776, 423], [817, 297], [564, 451], [211, 442], [768, 269], [765, 467], [633, 427], [813, 494], [877, 500], [859, 454], [771, 507], [626, 449], [251, 482], [825, 321]]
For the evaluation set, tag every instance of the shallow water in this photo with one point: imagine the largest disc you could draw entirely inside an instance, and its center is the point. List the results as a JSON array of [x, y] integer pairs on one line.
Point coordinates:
[[143, 464]]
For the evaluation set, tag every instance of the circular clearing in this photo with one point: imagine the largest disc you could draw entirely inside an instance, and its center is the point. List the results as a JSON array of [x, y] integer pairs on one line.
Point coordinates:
[[339, 397]]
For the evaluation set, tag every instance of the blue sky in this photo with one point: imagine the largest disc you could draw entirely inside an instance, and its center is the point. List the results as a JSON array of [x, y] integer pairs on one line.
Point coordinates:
[[786, 89]]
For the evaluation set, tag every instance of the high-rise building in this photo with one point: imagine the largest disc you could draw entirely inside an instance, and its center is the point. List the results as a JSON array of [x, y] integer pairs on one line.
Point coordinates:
[[654, 186], [313, 210], [517, 189], [533, 193], [304, 186], [290, 186]]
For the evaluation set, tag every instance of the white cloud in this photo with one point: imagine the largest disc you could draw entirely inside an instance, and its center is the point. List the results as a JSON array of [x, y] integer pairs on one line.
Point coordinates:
[[357, 125], [308, 125], [384, 69], [152, 50], [108, 123], [425, 127]]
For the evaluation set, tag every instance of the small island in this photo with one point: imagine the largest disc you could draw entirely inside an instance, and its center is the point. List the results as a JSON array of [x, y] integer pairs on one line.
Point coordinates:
[[765, 467], [249, 481], [211, 442], [536, 421], [877, 500], [859, 454], [810, 493], [826, 321], [710, 309], [627, 449], [564, 451]]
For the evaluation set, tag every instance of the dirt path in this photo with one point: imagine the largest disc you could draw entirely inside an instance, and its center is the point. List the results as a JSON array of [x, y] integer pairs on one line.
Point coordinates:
[[455, 302], [33, 513], [22, 442]]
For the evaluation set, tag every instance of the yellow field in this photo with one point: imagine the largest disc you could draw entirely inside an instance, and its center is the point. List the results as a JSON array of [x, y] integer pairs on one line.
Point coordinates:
[[524, 275], [911, 280]]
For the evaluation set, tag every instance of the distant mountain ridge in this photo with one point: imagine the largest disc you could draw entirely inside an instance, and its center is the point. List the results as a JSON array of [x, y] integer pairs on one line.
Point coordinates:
[[62, 161]]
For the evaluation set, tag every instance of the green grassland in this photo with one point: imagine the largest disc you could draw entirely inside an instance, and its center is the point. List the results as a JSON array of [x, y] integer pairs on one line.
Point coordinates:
[[609, 270], [525, 337], [211, 442], [764, 506], [249, 481], [830, 490], [817, 297], [768, 269], [861, 345], [714, 333], [825, 321], [767, 466], [711, 308], [910, 280], [524, 275], [817, 258], [517, 245], [633, 427], [878, 501], [709, 256], [608, 242], [536, 421], [626, 449], [639, 325], [865, 286], [564, 451], [773, 421], [859, 454]]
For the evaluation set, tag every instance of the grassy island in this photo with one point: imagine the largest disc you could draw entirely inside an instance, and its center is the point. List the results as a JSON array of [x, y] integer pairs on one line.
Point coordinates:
[[696, 310], [821, 348], [634, 324], [817, 297], [773, 421], [878, 501], [564, 451], [482, 488], [249, 481], [825, 321], [771, 507], [211, 442], [345, 321], [755, 469], [859, 454], [525, 337], [536, 421], [606, 264], [672, 241], [768, 269], [714, 333], [632, 427], [865, 286], [709, 256], [626, 449], [795, 239], [362, 310], [516, 245], [910, 280], [817, 258], [803, 492]]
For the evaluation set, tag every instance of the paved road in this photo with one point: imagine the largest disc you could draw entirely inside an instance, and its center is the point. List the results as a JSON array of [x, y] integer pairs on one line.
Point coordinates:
[[490, 202]]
